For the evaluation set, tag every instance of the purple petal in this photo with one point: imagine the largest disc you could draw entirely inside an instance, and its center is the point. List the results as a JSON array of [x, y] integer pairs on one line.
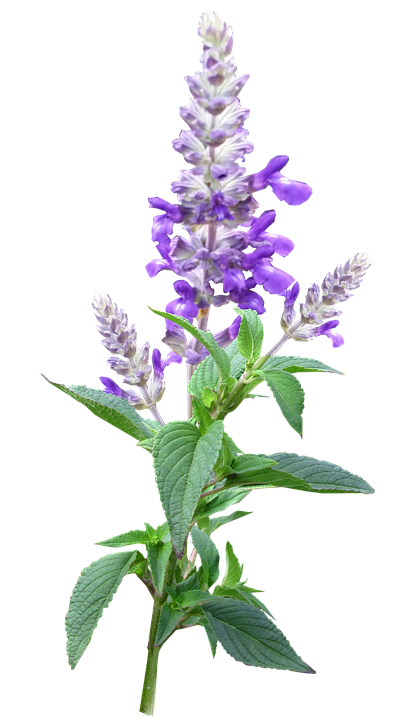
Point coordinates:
[[174, 212], [193, 357], [292, 192], [260, 224], [172, 357], [111, 387], [234, 279], [157, 362], [273, 280], [155, 266], [162, 227], [281, 245], [326, 328], [184, 289], [251, 300], [291, 295], [225, 337], [175, 338]]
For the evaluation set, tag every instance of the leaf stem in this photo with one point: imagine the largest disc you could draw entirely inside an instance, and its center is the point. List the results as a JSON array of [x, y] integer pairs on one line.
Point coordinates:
[[149, 685], [202, 324]]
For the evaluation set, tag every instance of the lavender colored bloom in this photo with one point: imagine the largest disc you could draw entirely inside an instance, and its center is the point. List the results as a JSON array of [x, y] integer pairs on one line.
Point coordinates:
[[320, 302], [134, 399], [184, 305], [215, 195], [129, 360], [175, 338]]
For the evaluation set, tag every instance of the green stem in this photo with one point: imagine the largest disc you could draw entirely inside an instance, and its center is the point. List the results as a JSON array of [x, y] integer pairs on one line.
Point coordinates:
[[149, 684]]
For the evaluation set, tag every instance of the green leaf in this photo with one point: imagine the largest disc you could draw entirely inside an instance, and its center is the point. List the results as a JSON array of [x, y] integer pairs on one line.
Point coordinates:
[[112, 409], [93, 592], [147, 444], [250, 637], [240, 594], [206, 374], [152, 534], [190, 583], [140, 567], [215, 523], [212, 638], [201, 413], [163, 532], [255, 471], [158, 556], [208, 553], [192, 597], [168, 620], [293, 364], [324, 477], [289, 395], [219, 503], [184, 461], [133, 537], [230, 444], [250, 337], [234, 570], [205, 338], [208, 397]]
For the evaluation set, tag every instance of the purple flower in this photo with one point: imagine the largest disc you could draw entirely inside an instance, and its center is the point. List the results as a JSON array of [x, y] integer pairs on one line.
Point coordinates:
[[292, 191], [326, 328], [272, 279], [134, 399], [289, 313], [184, 305]]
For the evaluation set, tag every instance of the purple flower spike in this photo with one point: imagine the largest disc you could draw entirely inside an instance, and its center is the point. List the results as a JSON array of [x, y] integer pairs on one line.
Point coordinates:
[[292, 191]]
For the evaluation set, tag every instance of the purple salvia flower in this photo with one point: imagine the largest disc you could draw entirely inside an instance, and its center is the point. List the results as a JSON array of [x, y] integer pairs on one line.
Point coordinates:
[[216, 195], [320, 302], [128, 359], [175, 338], [134, 399]]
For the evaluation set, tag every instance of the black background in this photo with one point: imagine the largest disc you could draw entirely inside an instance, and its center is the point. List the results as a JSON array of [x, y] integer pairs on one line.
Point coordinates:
[[107, 87]]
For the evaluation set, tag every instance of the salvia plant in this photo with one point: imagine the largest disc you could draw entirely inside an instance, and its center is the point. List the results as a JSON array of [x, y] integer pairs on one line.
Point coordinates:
[[224, 254]]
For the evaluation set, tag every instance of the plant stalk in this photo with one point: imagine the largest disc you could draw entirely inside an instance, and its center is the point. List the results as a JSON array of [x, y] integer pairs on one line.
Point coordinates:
[[149, 684]]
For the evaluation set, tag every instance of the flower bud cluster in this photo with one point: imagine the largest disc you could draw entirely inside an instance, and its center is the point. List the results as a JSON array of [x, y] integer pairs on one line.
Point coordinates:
[[127, 360], [320, 302]]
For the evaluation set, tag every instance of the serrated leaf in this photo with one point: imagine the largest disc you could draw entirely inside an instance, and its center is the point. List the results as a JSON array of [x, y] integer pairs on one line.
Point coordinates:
[[212, 638], [231, 445], [289, 395], [256, 471], [324, 477], [250, 637], [234, 569], [158, 556], [219, 503], [93, 592], [250, 336], [208, 553], [152, 534], [190, 583], [112, 409], [205, 338], [184, 460], [133, 537], [293, 364], [215, 523]]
